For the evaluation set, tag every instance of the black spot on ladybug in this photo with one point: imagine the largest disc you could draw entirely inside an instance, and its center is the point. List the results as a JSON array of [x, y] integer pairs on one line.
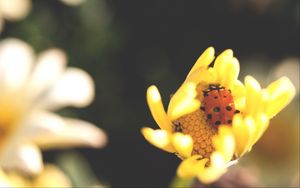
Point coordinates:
[[229, 121], [209, 116], [202, 108], [217, 109], [205, 93], [218, 122], [228, 108], [237, 111], [215, 97], [225, 96]]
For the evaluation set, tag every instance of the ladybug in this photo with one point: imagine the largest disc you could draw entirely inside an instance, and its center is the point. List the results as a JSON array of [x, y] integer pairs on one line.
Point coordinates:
[[218, 105]]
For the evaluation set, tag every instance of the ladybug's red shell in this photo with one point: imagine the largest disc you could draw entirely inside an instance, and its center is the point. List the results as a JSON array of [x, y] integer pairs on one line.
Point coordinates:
[[218, 105]]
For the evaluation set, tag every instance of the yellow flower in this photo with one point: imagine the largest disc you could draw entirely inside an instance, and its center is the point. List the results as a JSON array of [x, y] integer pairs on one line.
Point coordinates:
[[213, 118], [51, 176], [28, 94]]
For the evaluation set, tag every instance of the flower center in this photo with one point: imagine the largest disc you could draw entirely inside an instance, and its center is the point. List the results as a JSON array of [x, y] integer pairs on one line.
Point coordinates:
[[195, 125], [217, 108], [10, 113]]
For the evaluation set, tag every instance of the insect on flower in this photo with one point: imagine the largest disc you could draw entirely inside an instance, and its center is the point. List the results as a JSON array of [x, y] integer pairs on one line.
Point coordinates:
[[218, 105], [213, 119]]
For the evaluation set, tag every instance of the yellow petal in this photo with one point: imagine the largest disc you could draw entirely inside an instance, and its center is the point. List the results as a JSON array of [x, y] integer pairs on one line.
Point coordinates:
[[183, 144], [204, 60], [224, 142], [184, 101], [238, 89], [262, 101], [221, 62], [239, 93], [231, 72], [51, 177], [214, 171], [253, 90], [159, 138], [261, 124], [243, 130], [202, 74], [191, 167], [157, 109], [281, 93]]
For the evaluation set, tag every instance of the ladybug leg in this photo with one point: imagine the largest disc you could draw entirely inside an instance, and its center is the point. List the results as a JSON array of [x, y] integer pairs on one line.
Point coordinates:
[[205, 93], [213, 87], [177, 127]]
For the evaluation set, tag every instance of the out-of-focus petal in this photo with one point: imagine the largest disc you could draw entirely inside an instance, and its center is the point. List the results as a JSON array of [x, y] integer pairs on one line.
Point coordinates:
[[74, 88], [183, 144], [261, 124], [16, 58], [253, 90], [4, 181], [184, 101], [281, 92], [49, 130], [22, 156], [243, 130], [190, 167], [157, 109], [15, 9], [224, 142], [51, 176], [238, 89], [159, 138], [214, 171], [49, 67]]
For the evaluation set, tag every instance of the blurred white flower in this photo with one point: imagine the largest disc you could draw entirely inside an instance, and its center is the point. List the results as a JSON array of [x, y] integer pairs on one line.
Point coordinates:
[[13, 10], [72, 2], [28, 92], [51, 176]]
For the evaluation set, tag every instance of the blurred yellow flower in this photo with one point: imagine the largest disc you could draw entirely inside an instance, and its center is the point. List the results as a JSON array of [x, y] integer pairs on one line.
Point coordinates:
[[28, 92], [51, 176], [213, 119], [13, 10]]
